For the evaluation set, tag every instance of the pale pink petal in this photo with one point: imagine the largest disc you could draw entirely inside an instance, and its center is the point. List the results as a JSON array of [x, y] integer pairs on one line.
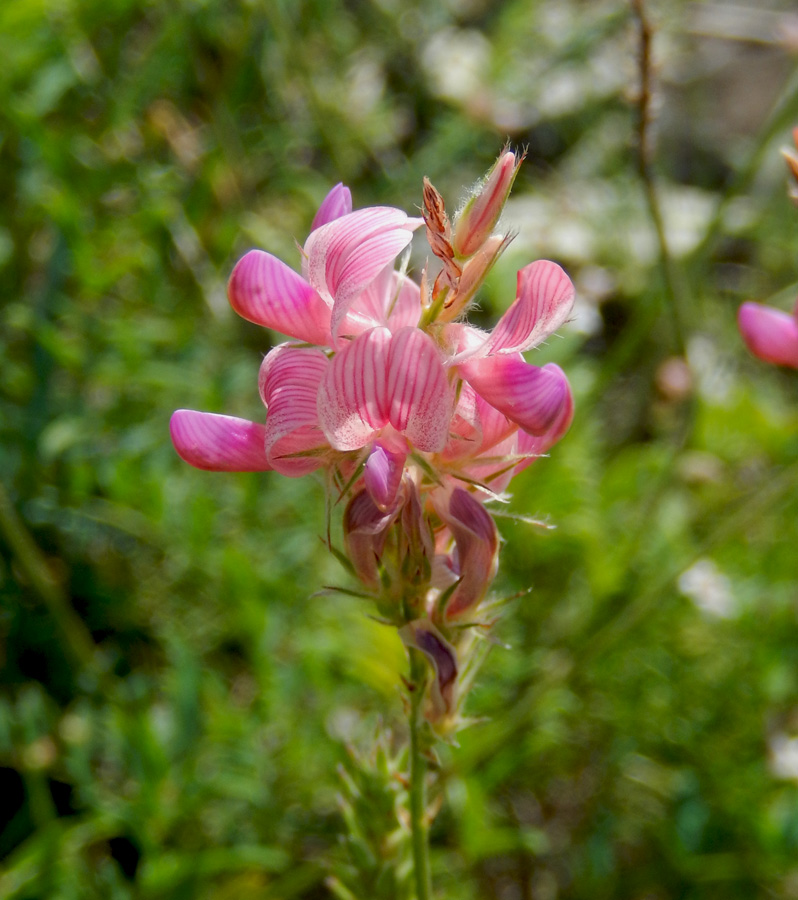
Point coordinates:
[[544, 299], [531, 397], [289, 384], [352, 403], [465, 428], [266, 291], [770, 334], [383, 472], [418, 390], [481, 213], [336, 204], [404, 303], [219, 443], [346, 255]]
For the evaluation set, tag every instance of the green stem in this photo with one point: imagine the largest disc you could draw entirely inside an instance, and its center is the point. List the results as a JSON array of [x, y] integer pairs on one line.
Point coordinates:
[[418, 774]]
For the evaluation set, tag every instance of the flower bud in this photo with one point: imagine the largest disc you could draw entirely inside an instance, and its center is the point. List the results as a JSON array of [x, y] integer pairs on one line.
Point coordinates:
[[479, 216]]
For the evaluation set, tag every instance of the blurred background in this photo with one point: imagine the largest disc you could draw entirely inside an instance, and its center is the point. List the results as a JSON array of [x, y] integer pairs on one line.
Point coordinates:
[[175, 696]]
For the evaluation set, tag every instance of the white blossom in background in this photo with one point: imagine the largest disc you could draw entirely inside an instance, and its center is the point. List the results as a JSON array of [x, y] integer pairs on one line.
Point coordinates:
[[708, 588]]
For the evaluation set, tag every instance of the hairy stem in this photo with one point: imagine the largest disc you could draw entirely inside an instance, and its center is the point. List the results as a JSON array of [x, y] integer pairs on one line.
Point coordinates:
[[418, 774]]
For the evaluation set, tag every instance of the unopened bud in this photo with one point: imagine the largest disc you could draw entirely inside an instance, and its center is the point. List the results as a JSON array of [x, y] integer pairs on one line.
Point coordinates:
[[474, 273], [476, 222]]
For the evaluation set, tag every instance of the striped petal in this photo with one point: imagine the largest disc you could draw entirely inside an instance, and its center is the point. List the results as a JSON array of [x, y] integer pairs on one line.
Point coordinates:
[[544, 299], [346, 255], [289, 384], [266, 291], [529, 396], [770, 334], [352, 404], [336, 204], [219, 443], [418, 390]]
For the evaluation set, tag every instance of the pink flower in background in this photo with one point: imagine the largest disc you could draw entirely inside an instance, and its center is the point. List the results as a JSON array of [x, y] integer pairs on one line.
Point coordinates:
[[769, 333]]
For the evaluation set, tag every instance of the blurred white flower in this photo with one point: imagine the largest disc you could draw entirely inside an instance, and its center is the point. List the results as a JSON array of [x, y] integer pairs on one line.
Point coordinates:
[[783, 756], [708, 588]]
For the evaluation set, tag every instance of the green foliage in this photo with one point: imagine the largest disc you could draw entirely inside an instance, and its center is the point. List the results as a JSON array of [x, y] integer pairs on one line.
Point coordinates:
[[176, 696]]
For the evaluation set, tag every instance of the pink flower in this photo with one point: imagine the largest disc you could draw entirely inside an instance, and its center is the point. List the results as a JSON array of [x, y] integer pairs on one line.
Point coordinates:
[[770, 334]]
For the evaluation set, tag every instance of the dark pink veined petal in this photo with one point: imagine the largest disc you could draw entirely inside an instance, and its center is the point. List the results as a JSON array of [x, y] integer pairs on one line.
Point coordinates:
[[418, 390], [346, 255], [544, 299], [769, 333], [529, 396], [477, 542], [289, 384], [382, 474], [266, 291], [352, 405], [219, 443], [336, 204]]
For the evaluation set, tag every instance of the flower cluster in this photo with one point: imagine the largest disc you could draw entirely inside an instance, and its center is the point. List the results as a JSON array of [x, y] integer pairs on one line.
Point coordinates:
[[769, 333], [416, 417]]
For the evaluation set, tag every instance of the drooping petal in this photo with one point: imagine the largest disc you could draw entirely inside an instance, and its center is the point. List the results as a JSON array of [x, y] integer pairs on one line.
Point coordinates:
[[289, 384], [336, 204], [346, 255], [544, 299], [365, 527], [383, 472], [418, 390], [424, 636], [219, 443], [477, 542], [352, 404], [266, 291], [769, 333], [529, 396]]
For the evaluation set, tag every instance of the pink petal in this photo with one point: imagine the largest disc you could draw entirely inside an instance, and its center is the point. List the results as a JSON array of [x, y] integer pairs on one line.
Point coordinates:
[[531, 397], [351, 405], [289, 385], [346, 255], [477, 542], [391, 299], [219, 443], [424, 636], [544, 299], [383, 472], [266, 291], [365, 529], [769, 333], [418, 390], [336, 204]]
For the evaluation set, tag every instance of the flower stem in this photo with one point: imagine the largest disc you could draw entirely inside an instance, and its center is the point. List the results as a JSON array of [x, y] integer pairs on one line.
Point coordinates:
[[418, 773]]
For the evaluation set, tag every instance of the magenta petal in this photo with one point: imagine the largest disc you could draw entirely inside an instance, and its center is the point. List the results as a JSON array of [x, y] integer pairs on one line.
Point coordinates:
[[219, 443], [769, 333], [418, 390], [266, 291], [351, 403], [544, 299], [336, 204], [531, 397], [382, 474], [289, 384], [365, 528], [477, 542], [441, 655]]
